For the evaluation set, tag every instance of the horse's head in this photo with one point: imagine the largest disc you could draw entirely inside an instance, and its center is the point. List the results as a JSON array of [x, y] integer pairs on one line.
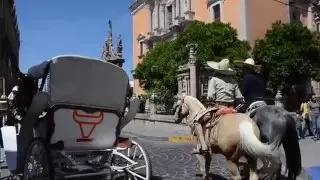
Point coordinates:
[[181, 109]]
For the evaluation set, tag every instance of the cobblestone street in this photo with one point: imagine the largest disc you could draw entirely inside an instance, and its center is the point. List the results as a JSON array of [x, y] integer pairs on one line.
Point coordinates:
[[175, 162]]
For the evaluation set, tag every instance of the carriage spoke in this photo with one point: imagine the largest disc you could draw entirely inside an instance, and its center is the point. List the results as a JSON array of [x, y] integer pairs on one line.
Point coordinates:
[[140, 167], [135, 151], [135, 174]]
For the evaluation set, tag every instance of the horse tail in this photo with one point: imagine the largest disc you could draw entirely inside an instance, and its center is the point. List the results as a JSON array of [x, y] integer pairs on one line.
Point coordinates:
[[291, 148], [251, 144]]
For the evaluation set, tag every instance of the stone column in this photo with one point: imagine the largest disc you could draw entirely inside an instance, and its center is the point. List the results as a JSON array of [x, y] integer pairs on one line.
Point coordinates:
[[156, 15], [147, 105], [151, 18], [162, 16], [177, 7], [182, 7], [152, 104], [174, 12], [188, 13], [192, 67], [279, 100], [179, 85], [188, 85], [187, 4]]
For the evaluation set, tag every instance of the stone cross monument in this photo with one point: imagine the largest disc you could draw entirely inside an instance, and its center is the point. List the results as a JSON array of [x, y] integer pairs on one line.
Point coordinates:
[[108, 54]]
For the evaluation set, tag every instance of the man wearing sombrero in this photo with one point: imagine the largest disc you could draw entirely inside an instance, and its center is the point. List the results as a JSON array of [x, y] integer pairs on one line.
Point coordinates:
[[222, 91], [223, 88], [253, 85]]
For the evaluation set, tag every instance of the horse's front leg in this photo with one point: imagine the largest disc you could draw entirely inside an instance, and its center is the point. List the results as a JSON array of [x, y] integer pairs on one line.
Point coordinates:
[[204, 162], [200, 157], [207, 157]]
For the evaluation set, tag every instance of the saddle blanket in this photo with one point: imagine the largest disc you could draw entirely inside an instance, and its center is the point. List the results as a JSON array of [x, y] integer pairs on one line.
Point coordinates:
[[225, 110]]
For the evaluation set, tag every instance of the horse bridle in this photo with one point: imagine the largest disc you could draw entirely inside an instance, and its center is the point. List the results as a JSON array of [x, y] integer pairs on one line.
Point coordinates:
[[180, 105]]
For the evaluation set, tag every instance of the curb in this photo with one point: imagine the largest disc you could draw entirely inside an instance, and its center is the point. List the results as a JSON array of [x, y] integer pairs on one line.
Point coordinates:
[[172, 139]]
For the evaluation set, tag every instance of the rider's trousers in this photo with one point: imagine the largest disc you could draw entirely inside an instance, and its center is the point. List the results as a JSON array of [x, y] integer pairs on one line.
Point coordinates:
[[200, 134]]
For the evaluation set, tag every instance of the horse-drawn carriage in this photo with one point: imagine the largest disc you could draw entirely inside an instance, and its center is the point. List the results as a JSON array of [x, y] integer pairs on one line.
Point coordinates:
[[71, 124]]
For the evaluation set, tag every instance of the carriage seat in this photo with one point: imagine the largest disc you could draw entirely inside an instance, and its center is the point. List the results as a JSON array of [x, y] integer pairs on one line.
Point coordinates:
[[87, 100], [38, 71]]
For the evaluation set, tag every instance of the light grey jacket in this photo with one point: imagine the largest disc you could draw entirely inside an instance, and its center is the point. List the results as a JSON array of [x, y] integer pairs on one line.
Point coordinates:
[[223, 89]]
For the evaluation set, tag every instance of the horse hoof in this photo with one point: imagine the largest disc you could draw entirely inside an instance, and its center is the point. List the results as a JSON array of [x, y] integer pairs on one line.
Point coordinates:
[[206, 177]]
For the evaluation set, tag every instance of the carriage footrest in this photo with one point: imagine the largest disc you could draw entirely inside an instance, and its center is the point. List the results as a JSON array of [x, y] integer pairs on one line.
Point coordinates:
[[123, 142]]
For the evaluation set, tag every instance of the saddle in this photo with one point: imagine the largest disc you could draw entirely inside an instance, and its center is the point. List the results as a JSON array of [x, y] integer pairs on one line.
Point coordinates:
[[217, 114], [211, 117], [254, 106]]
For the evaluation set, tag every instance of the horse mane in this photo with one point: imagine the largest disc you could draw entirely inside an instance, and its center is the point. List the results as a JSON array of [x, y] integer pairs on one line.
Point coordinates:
[[194, 101]]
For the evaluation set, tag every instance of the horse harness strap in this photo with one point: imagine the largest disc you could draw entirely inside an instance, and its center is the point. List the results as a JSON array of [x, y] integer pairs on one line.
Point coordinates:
[[222, 103], [211, 126]]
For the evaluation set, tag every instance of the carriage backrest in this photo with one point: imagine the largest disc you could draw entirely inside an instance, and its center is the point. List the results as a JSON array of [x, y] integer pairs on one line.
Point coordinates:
[[85, 81], [101, 88]]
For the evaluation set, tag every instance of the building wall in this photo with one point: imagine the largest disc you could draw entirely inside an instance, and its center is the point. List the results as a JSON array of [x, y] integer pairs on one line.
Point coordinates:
[[232, 14], [261, 14], [140, 26], [9, 44], [202, 11]]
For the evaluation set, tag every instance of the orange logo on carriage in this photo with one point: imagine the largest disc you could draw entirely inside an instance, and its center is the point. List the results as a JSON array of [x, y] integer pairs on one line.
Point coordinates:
[[87, 123]]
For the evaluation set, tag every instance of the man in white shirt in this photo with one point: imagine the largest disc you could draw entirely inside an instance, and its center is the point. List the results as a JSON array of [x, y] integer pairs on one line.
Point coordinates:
[[223, 88]]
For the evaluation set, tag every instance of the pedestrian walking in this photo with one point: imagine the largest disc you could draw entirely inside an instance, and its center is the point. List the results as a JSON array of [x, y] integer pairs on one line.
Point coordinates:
[[305, 112], [315, 116], [299, 124]]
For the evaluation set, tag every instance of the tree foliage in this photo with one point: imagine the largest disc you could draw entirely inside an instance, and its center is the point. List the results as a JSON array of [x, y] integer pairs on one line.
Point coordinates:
[[286, 54], [215, 41]]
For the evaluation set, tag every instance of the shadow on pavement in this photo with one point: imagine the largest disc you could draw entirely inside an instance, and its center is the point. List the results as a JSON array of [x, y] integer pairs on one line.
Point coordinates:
[[213, 176], [156, 178], [217, 177]]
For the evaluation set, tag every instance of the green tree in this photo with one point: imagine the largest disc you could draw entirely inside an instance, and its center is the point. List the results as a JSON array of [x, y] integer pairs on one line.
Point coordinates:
[[286, 54], [215, 41]]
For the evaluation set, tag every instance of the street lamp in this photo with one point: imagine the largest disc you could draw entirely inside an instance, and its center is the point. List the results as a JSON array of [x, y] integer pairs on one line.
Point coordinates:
[[153, 68]]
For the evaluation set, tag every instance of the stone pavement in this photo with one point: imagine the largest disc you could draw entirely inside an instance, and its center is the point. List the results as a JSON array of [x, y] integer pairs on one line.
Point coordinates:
[[157, 130], [173, 161], [310, 151]]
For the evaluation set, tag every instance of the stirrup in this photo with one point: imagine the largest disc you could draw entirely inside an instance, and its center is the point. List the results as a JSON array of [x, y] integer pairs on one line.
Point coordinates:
[[199, 151]]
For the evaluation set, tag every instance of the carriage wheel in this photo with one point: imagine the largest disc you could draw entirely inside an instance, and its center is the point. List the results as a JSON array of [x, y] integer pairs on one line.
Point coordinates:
[[140, 171], [38, 163]]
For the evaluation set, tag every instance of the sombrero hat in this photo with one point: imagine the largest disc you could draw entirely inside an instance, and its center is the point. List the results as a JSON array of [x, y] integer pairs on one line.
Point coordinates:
[[222, 67], [248, 63]]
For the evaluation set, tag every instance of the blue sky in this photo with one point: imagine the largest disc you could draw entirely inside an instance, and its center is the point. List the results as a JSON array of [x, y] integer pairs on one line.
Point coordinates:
[[54, 27]]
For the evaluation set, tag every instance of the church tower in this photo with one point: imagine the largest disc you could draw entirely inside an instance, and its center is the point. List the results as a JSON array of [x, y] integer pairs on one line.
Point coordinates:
[[108, 53]]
